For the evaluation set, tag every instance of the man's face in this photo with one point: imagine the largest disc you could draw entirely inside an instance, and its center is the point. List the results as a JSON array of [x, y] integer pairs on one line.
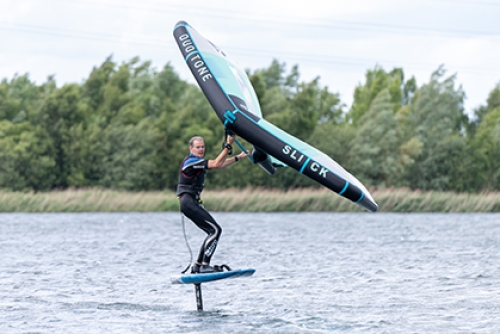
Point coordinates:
[[198, 148]]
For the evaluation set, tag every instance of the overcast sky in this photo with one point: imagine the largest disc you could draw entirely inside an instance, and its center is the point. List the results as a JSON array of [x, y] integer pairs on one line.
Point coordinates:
[[337, 40]]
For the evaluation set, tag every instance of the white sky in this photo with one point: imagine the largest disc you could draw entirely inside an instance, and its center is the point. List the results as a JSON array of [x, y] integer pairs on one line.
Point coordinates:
[[337, 40]]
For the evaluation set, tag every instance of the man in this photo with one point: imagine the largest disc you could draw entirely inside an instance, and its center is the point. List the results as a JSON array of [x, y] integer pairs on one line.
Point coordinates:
[[189, 188]]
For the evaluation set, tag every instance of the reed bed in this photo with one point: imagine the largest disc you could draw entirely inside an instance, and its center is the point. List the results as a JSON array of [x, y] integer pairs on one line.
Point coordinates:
[[88, 200], [245, 200]]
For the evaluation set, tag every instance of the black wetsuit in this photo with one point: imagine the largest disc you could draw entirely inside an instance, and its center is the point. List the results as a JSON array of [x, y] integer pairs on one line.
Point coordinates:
[[189, 188]]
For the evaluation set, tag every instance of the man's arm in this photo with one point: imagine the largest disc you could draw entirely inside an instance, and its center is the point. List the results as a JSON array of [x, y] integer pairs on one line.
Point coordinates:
[[230, 161], [222, 161], [221, 158]]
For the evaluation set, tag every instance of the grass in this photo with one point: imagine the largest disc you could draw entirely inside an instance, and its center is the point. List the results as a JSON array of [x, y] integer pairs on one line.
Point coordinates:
[[245, 200], [87, 200]]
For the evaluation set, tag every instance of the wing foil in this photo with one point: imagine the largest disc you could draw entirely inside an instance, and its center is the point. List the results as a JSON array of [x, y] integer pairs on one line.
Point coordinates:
[[233, 98]]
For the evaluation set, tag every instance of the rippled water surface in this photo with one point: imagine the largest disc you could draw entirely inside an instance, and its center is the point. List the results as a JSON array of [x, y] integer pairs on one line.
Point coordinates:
[[316, 273]]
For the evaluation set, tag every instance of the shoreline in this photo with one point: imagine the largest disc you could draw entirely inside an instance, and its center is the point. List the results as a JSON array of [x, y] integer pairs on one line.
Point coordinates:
[[246, 200]]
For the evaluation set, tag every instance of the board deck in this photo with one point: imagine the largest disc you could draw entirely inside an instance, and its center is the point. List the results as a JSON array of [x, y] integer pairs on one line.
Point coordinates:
[[210, 277]]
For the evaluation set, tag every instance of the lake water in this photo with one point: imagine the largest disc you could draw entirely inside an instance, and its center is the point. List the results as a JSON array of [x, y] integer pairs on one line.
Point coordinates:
[[315, 273]]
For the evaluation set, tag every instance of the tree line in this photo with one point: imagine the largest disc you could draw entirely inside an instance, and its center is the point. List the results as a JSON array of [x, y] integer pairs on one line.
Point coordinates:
[[127, 126]]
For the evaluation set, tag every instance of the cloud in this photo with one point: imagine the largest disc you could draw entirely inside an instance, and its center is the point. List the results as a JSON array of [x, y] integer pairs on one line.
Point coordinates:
[[338, 40]]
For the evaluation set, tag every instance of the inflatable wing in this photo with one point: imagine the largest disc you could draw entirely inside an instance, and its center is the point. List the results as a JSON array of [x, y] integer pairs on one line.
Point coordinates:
[[231, 95]]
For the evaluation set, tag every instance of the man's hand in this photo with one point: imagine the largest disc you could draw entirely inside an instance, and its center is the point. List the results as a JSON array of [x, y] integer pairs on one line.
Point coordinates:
[[231, 139], [242, 155]]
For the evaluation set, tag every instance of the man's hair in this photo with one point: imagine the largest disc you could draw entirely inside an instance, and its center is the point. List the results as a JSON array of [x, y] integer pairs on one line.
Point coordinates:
[[191, 141]]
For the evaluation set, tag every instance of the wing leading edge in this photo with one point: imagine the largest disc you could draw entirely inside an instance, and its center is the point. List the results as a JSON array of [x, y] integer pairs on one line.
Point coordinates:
[[304, 158]]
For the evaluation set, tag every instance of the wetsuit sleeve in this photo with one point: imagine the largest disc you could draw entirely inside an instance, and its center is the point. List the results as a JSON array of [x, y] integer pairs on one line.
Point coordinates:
[[192, 166]]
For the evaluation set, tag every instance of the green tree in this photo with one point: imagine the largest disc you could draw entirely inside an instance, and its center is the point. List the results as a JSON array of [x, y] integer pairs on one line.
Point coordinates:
[[294, 106], [18, 98], [183, 117], [128, 126], [485, 148], [378, 79], [437, 120], [85, 155], [130, 157], [335, 140], [26, 157], [61, 110], [492, 102], [275, 76], [380, 154], [93, 88]]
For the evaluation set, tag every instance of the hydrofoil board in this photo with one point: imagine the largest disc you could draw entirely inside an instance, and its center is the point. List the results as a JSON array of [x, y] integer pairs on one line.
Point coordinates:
[[210, 277]]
